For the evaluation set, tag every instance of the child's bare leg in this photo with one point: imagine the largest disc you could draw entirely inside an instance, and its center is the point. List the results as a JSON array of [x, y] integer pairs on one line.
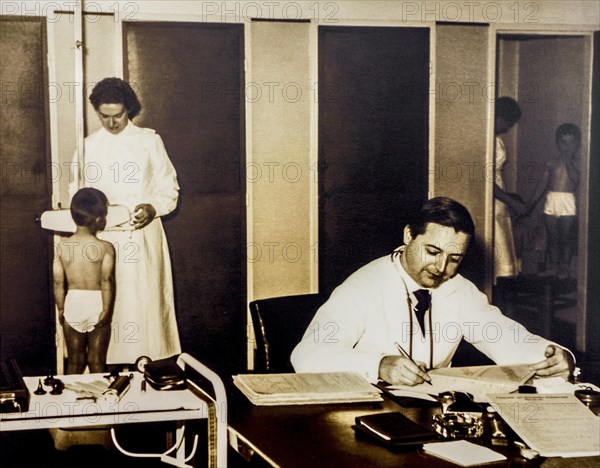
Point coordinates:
[[98, 340], [564, 228], [553, 248], [76, 346]]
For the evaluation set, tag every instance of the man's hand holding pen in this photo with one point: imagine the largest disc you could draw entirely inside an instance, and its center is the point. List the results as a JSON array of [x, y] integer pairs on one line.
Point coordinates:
[[402, 370]]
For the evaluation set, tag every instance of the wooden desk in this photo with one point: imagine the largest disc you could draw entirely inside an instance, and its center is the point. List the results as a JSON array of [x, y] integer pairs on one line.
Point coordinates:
[[322, 436]]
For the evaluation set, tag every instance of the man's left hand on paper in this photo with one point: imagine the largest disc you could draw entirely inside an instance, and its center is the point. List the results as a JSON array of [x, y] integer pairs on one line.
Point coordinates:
[[558, 362], [143, 215]]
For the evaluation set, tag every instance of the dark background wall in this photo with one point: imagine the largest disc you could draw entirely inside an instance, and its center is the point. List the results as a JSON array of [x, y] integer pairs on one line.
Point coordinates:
[[26, 309]]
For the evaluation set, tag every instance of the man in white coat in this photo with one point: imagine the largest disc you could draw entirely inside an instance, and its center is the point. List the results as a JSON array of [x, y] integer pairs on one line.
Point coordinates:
[[131, 166], [415, 298]]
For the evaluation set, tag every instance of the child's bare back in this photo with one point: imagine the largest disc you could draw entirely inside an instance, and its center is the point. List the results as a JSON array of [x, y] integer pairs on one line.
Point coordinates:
[[82, 257]]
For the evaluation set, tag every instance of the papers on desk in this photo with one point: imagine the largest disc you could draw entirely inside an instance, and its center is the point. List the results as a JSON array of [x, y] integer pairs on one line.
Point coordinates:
[[560, 385], [463, 453], [555, 425], [476, 380], [306, 388]]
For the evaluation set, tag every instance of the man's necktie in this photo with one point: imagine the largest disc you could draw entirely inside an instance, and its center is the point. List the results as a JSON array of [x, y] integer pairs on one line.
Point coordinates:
[[423, 302]]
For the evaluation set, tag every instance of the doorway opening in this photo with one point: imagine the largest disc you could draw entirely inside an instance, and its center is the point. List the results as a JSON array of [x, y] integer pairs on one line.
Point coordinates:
[[550, 78]]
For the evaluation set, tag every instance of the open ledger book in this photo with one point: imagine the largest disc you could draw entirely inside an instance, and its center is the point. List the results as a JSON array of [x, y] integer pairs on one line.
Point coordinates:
[[476, 380], [306, 388]]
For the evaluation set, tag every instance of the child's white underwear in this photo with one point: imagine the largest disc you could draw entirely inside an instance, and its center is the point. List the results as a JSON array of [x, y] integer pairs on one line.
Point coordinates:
[[83, 308], [560, 204]]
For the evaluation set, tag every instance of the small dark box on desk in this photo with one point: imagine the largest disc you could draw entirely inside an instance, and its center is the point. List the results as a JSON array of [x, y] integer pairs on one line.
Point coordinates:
[[393, 428], [14, 394]]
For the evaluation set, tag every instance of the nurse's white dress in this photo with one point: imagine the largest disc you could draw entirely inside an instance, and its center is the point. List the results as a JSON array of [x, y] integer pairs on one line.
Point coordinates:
[[505, 257], [132, 168]]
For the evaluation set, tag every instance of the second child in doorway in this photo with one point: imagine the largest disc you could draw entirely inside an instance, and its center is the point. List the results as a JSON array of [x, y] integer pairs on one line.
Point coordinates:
[[559, 182]]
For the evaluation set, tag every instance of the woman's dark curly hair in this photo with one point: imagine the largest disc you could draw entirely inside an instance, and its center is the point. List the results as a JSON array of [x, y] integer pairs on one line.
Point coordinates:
[[116, 91]]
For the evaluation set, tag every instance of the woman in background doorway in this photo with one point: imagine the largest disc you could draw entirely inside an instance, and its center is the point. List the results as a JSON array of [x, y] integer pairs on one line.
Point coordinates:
[[506, 262]]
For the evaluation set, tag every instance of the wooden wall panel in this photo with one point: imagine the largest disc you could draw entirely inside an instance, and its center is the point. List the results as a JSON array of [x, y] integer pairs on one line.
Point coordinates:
[[373, 142], [190, 77], [463, 166], [26, 311]]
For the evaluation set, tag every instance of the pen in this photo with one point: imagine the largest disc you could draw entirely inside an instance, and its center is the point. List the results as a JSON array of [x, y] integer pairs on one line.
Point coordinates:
[[405, 354]]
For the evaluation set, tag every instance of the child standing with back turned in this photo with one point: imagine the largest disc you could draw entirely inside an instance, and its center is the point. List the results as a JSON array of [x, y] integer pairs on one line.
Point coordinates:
[[560, 180], [84, 286]]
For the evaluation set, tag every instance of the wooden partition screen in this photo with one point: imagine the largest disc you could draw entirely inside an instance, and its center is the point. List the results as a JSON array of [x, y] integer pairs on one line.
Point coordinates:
[[26, 313], [190, 80], [373, 142]]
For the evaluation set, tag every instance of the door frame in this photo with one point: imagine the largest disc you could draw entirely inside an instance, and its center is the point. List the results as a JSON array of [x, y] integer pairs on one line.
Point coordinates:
[[582, 320]]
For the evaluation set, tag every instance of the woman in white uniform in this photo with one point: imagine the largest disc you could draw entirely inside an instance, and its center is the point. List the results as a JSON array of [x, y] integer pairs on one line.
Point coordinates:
[[506, 262], [131, 166]]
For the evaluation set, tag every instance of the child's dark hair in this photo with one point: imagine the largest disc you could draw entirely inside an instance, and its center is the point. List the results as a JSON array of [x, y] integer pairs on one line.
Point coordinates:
[[87, 205], [568, 129], [116, 91]]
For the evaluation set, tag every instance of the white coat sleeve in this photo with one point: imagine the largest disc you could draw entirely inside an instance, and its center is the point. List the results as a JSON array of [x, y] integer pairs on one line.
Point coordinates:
[[328, 344], [502, 339], [165, 189]]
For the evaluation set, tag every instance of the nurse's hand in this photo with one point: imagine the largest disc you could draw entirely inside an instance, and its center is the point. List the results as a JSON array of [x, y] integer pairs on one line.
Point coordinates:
[[144, 214]]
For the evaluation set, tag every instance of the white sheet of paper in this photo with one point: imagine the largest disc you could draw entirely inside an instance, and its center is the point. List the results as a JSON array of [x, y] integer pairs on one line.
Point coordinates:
[[555, 425], [412, 394], [463, 452], [560, 385]]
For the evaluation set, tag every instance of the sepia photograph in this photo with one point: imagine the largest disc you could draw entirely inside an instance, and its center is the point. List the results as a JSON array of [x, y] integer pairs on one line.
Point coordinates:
[[299, 233]]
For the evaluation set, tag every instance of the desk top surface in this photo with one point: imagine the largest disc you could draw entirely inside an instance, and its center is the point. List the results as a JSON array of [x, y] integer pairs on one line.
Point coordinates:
[[135, 405], [322, 435]]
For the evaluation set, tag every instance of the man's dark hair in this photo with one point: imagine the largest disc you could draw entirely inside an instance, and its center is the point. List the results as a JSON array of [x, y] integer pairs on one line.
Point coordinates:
[[116, 91], [444, 211], [568, 129], [508, 109], [87, 205]]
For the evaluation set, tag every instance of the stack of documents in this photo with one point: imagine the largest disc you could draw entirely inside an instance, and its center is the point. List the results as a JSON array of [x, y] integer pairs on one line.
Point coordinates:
[[306, 388], [555, 425]]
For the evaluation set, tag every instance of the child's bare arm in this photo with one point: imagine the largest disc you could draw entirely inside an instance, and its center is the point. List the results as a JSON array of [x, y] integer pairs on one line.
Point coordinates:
[[58, 280], [107, 285], [540, 188], [512, 200]]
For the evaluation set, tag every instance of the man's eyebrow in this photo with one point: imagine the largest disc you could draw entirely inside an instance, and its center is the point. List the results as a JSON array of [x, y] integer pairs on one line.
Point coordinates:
[[439, 249]]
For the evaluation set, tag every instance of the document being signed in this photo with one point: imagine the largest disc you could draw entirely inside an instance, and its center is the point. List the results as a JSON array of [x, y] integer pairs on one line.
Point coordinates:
[[476, 380]]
